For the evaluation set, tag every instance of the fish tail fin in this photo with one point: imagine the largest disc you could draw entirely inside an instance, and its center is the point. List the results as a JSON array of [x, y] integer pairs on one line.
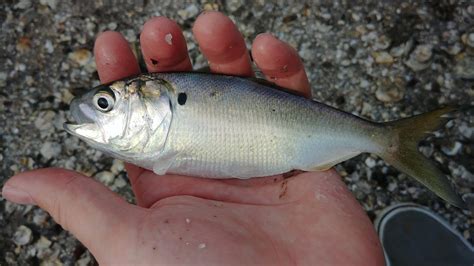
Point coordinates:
[[401, 140]]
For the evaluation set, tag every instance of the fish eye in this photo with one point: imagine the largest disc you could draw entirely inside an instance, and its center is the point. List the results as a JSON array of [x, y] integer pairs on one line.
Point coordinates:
[[104, 100]]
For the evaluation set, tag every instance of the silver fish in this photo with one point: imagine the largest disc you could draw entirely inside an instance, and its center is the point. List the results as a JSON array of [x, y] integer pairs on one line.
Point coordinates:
[[218, 126]]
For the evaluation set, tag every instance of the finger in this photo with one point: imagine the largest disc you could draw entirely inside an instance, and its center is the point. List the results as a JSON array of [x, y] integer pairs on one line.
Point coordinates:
[[163, 46], [222, 44], [113, 57], [280, 63], [79, 204]]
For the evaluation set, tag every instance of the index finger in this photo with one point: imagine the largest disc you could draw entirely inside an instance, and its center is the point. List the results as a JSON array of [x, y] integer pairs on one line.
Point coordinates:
[[113, 57]]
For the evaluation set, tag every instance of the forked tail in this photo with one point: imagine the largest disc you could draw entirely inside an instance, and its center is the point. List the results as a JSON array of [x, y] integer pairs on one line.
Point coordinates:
[[401, 151]]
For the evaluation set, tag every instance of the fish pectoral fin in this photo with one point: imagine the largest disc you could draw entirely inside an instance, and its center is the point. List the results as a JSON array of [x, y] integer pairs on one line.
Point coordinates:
[[162, 165]]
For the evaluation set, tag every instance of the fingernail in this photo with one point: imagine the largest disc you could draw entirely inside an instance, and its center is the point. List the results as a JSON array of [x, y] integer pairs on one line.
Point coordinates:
[[16, 195]]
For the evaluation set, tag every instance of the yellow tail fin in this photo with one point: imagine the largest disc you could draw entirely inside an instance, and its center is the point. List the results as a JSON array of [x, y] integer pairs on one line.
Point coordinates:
[[402, 151]]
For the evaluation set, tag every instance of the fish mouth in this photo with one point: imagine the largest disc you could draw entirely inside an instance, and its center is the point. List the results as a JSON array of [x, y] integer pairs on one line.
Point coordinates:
[[83, 124], [81, 113]]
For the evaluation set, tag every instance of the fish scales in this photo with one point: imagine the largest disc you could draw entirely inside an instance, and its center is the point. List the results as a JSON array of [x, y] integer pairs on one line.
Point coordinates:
[[264, 132]]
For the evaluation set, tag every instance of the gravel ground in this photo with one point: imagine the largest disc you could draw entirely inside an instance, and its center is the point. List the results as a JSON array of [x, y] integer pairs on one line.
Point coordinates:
[[377, 59]]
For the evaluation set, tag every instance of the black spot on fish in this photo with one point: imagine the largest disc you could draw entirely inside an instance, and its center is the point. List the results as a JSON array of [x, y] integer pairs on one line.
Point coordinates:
[[212, 94], [154, 61], [182, 97]]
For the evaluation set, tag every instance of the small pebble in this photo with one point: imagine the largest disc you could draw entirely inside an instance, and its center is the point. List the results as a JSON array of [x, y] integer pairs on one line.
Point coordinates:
[[189, 12], [466, 131], [10, 207], [391, 94], [117, 166], [383, 42], [43, 243], [464, 68], [112, 26], [468, 39], [3, 79], [427, 150], [392, 186], [382, 57], [39, 217], [44, 120], [20, 67], [233, 5], [420, 57], [105, 177], [423, 53], [453, 149], [22, 235], [51, 3], [50, 149], [23, 45], [370, 162], [23, 4], [85, 260], [119, 182], [81, 56], [48, 45], [202, 246]]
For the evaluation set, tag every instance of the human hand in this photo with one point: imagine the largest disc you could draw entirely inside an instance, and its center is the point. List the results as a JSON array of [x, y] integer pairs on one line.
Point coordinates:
[[309, 218]]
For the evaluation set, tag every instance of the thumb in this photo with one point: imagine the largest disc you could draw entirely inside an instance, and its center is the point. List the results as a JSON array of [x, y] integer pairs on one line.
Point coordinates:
[[99, 218]]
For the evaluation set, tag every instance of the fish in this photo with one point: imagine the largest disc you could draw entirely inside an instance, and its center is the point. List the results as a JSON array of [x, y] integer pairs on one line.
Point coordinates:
[[219, 126]]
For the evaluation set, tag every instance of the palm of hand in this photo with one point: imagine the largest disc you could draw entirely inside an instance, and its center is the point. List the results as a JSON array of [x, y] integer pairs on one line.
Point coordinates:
[[309, 218]]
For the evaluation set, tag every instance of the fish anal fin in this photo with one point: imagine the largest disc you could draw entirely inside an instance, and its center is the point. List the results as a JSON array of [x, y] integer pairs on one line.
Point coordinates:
[[320, 168], [328, 164]]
